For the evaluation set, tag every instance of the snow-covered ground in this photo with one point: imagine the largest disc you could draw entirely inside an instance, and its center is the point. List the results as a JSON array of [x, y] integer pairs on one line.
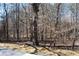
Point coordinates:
[[10, 52], [27, 54]]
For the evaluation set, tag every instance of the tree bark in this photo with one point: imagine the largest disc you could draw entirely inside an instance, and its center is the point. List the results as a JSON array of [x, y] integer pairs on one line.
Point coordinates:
[[17, 21], [6, 25]]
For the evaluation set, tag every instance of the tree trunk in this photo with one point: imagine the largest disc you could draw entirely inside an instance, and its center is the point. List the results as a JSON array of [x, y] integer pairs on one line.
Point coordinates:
[[57, 18], [6, 25], [17, 21], [75, 30], [36, 31]]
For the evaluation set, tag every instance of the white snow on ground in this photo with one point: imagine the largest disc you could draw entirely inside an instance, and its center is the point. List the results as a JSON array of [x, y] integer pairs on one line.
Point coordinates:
[[9, 52], [29, 54]]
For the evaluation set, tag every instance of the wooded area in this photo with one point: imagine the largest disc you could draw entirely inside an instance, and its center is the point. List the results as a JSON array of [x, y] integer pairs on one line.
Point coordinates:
[[40, 24]]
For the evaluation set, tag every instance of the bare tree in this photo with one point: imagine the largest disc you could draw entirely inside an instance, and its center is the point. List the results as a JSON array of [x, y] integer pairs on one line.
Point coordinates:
[[17, 20], [35, 9], [57, 18], [6, 21], [75, 29]]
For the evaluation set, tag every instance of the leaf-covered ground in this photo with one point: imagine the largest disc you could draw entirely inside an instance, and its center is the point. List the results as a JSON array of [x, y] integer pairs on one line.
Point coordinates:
[[40, 50]]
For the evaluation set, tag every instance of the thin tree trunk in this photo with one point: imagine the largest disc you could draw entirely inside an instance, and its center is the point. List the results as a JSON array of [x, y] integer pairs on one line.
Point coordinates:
[[5, 7], [57, 18], [75, 30], [17, 20]]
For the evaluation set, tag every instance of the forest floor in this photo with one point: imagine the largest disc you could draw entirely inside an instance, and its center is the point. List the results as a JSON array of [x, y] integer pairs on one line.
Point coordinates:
[[40, 50]]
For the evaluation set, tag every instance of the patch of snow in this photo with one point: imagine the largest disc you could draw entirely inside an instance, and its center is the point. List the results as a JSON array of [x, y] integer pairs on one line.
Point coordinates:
[[29, 54], [9, 52]]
